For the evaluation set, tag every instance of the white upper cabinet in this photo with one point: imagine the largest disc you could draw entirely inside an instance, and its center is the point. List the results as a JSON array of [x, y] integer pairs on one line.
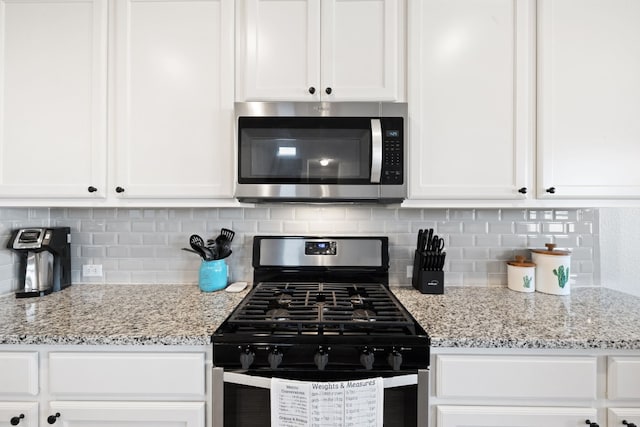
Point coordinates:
[[312, 50], [115, 103], [589, 99], [173, 109], [53, 96], [471, 99]]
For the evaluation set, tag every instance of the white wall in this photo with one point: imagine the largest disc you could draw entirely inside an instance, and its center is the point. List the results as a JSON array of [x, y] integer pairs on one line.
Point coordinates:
[[620, 249]]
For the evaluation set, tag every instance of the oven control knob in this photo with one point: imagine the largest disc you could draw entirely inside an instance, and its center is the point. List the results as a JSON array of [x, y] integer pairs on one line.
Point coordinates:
[[366, 359], [246, 358], [275, 358], [321, 359], [395, 360]]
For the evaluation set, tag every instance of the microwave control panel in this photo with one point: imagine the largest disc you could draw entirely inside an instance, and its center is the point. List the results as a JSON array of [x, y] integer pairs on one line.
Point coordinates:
[[392, 151]]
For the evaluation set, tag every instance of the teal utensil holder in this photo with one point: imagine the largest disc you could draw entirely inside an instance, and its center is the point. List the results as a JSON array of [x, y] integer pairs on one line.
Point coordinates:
[[213, 275]]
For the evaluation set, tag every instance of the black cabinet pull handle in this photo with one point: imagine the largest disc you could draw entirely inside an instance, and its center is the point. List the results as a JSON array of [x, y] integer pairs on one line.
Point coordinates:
[[119, 190], [312, 90], [628, 424], [523, 190], [591, 424], [328, 91], [92, 189], [51, 419], [551, 190], [16, 420]]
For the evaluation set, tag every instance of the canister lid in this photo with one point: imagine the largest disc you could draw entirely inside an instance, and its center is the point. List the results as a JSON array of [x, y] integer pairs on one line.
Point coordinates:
[[551, 250], [521, 262]]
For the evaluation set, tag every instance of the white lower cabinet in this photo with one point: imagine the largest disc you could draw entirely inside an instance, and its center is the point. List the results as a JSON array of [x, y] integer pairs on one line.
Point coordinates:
[[126, 389], [23, 414], [103, 388], [621, 417], [513, 416], [126, 414], [520, 389]]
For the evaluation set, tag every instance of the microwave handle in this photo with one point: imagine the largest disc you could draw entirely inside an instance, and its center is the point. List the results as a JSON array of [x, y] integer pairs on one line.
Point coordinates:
[[376, 150]]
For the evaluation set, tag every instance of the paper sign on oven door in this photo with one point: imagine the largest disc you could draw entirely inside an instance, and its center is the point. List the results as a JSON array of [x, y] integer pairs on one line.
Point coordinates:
[[327, 404]]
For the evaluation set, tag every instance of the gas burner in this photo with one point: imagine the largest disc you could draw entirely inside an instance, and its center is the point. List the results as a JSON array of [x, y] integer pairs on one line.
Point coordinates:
[[364, 315], [283, 298], [279, 314]]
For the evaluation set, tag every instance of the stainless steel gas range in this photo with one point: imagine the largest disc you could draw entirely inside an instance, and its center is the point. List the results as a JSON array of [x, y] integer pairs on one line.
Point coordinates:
[[320, 311]]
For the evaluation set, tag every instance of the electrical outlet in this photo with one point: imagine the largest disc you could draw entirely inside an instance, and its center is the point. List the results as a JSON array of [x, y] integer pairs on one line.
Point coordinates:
[[409, 271], [92, 270]]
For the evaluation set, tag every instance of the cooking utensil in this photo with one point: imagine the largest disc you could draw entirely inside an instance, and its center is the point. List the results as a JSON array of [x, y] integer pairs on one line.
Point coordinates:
[[197, 244], [229, 234]]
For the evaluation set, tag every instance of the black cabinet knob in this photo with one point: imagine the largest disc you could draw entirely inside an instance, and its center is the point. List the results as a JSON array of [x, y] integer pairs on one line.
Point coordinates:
[[119, 190], [523, 190], [16, 420], [92, 189], [590, 424], [328, 91], [628, 424], [551, 190], [312, 90], [51, 419]]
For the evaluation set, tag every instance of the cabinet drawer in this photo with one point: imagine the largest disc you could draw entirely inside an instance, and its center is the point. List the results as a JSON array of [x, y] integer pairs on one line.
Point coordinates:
[[623, 378], [516, 377], [130, 374], [512, 416], [19, 373]]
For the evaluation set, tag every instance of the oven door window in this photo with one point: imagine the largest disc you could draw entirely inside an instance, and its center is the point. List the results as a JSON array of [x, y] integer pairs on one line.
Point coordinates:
[[293, 150]]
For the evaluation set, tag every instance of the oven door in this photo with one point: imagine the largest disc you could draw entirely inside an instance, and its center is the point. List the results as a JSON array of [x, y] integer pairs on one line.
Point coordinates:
[[242, 400]]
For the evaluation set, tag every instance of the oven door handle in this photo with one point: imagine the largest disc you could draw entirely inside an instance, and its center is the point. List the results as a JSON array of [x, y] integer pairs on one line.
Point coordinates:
[[376, 151], [262, 382]]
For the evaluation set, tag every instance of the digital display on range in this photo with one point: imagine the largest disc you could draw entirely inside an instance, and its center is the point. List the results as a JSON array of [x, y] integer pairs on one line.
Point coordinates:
[[320, 248]]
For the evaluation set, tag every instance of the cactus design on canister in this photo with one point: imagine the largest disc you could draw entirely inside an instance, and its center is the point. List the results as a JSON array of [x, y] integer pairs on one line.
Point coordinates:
[[562, 275], [526, 281]]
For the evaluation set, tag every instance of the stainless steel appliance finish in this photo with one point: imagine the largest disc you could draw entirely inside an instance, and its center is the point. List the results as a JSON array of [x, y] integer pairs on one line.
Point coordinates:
[[38, 275], [321, 152], [295, 252], [320, 310], [44, 256]]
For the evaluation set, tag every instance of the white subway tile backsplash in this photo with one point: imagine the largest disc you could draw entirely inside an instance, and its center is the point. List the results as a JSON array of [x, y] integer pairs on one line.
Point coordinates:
[[144, 245]]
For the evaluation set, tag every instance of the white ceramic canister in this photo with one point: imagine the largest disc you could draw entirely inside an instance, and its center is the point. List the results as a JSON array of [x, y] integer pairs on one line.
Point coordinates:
[[521, 275], [552, 270]]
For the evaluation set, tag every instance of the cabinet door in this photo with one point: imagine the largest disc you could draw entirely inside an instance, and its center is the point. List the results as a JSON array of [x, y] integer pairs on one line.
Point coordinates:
[[173, 99], [19, 374], [615, 417], [53, 98], [25, 414], [471, 96], [589, 99], [278, 50], [362, 53], [623, 376], [127, 414], [502, 416]]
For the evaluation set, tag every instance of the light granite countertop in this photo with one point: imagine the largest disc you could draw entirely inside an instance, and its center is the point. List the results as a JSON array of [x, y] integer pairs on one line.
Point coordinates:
[[117, 314], [467, 317]]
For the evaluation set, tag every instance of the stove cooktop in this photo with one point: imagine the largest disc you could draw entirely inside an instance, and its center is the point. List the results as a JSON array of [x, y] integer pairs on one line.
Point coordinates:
[[321, 308]]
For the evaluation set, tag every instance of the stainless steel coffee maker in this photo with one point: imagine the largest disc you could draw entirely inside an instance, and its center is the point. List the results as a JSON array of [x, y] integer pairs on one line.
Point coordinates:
[[45, 259]]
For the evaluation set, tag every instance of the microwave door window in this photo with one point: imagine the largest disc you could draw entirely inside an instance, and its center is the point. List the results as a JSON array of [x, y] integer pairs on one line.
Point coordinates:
[[331, 156]]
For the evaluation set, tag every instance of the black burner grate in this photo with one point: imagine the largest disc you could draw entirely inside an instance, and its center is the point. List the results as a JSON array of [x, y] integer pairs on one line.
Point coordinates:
[[321, 308]]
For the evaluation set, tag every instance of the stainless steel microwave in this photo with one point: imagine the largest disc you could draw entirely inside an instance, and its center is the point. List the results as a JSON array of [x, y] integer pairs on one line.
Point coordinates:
[[321, 152]]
